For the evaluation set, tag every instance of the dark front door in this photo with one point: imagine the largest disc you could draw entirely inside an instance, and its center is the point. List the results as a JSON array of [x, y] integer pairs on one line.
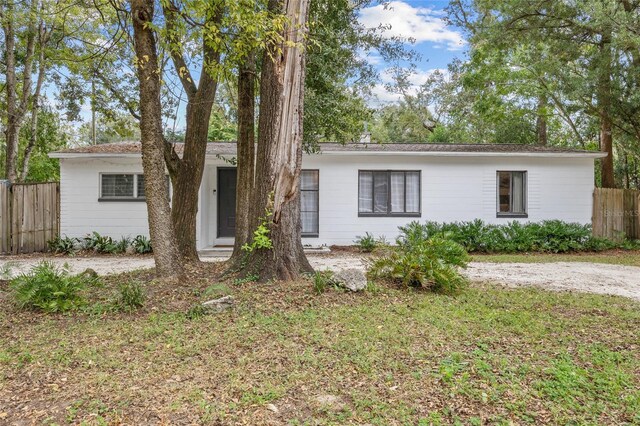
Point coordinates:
[[226, 202]]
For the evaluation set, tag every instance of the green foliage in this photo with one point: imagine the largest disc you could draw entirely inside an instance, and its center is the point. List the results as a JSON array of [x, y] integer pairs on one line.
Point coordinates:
[[141, 244], [252, 278], [131, 296], [427, 262], [98, 243], [261, 239], [552, 236], [215, 291], [50, 288], [367, 243], [64, 245], [323, 280], [221, 128]]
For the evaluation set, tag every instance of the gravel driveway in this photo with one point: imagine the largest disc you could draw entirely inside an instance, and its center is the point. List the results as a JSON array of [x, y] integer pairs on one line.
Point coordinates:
[[560, 276]]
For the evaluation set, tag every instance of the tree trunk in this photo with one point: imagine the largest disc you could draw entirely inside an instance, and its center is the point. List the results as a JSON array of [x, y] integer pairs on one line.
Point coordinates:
[[279, 160], [163, 237], [188, 178], [16, 109], [35, 104], [541, 120], [604, 107], [246, 156], [186, 173]]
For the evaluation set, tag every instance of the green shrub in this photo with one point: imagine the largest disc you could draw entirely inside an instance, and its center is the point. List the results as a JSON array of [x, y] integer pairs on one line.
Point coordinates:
[[64, 245], [366, 244], [131, 296], [141, 244], [551, 236], [323, 280], [50, 288], [428, 262], [99, 243], [122, 245]]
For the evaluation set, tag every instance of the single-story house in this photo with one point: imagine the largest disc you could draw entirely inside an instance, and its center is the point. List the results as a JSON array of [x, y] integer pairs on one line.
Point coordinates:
[[347, 190]]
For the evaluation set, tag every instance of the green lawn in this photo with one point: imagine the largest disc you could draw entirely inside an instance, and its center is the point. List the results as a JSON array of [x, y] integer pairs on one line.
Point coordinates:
[[615, 257], [388, 356]]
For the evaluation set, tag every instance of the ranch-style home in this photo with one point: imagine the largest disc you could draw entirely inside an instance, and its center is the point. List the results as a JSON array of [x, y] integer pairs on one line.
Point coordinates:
[[346, 190]]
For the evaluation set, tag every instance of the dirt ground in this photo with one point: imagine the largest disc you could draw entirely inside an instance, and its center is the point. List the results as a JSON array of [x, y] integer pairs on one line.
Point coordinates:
[[558, 276]]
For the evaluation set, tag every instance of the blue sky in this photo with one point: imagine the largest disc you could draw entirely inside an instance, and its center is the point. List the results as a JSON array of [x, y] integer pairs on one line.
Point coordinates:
[[423, 21]]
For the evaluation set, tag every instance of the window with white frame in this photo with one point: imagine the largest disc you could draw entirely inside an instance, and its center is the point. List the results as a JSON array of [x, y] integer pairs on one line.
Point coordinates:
[[389, 193], [512, 193]]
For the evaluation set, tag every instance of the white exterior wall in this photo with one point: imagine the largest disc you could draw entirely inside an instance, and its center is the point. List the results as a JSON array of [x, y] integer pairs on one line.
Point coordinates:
[[454, 188]]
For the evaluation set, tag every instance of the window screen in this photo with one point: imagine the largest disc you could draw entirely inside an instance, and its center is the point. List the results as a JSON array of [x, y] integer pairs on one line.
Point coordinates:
[[117, 186]]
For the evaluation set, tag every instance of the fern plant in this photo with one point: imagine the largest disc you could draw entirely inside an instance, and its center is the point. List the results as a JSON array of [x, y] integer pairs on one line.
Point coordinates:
[[50, 288], [142, 244], [432, 263]]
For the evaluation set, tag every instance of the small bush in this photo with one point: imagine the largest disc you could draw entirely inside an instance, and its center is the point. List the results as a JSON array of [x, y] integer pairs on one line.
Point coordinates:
[[323, 280], [99, 243], [50, 288], [366, 244], [432, 263], [141, 244], [131, 296], [122, 245], [64, 245]]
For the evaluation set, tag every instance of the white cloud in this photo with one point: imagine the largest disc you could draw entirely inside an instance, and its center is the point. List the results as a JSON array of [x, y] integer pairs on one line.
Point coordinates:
[[418, 23]]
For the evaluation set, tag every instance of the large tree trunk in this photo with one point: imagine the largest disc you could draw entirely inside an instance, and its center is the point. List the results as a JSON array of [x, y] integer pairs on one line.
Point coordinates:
[[246, 156], [279, 160], [163, 237], [188, 176], [604, 107], [187, 172], [541, 120]]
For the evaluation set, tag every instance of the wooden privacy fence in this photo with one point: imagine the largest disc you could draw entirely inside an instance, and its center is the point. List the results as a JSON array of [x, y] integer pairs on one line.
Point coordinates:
[[29, 216], [616, 213]]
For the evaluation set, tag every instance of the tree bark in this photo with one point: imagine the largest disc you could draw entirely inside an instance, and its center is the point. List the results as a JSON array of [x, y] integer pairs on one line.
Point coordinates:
[[35, 103], [162, 232], [279, 156], [541, 120], [16, 108], [245, 155], [186, 173], [604, 107]]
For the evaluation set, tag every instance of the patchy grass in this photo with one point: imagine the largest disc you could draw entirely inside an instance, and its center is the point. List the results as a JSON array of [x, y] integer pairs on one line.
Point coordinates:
[[389, 357], [614, 257]]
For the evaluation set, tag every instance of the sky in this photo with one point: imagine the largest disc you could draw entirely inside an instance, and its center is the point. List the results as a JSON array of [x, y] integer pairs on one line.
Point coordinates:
[[420, 20], [424, 22]]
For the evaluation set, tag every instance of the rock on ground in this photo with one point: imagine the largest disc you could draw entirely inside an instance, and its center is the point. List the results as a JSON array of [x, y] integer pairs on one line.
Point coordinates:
[[219, 305], [352, 279]]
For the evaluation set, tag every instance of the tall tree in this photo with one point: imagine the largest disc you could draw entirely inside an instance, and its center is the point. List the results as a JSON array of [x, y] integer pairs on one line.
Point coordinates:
[[276, 201], [581, 56], [168, 262], [18, 87]]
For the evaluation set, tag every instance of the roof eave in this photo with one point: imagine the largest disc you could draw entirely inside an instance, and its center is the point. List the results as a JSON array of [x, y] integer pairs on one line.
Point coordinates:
[[473, 154], [593, 155]]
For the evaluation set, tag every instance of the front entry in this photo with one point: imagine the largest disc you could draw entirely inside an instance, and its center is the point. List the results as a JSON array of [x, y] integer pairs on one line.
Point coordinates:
[[226, 202]]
